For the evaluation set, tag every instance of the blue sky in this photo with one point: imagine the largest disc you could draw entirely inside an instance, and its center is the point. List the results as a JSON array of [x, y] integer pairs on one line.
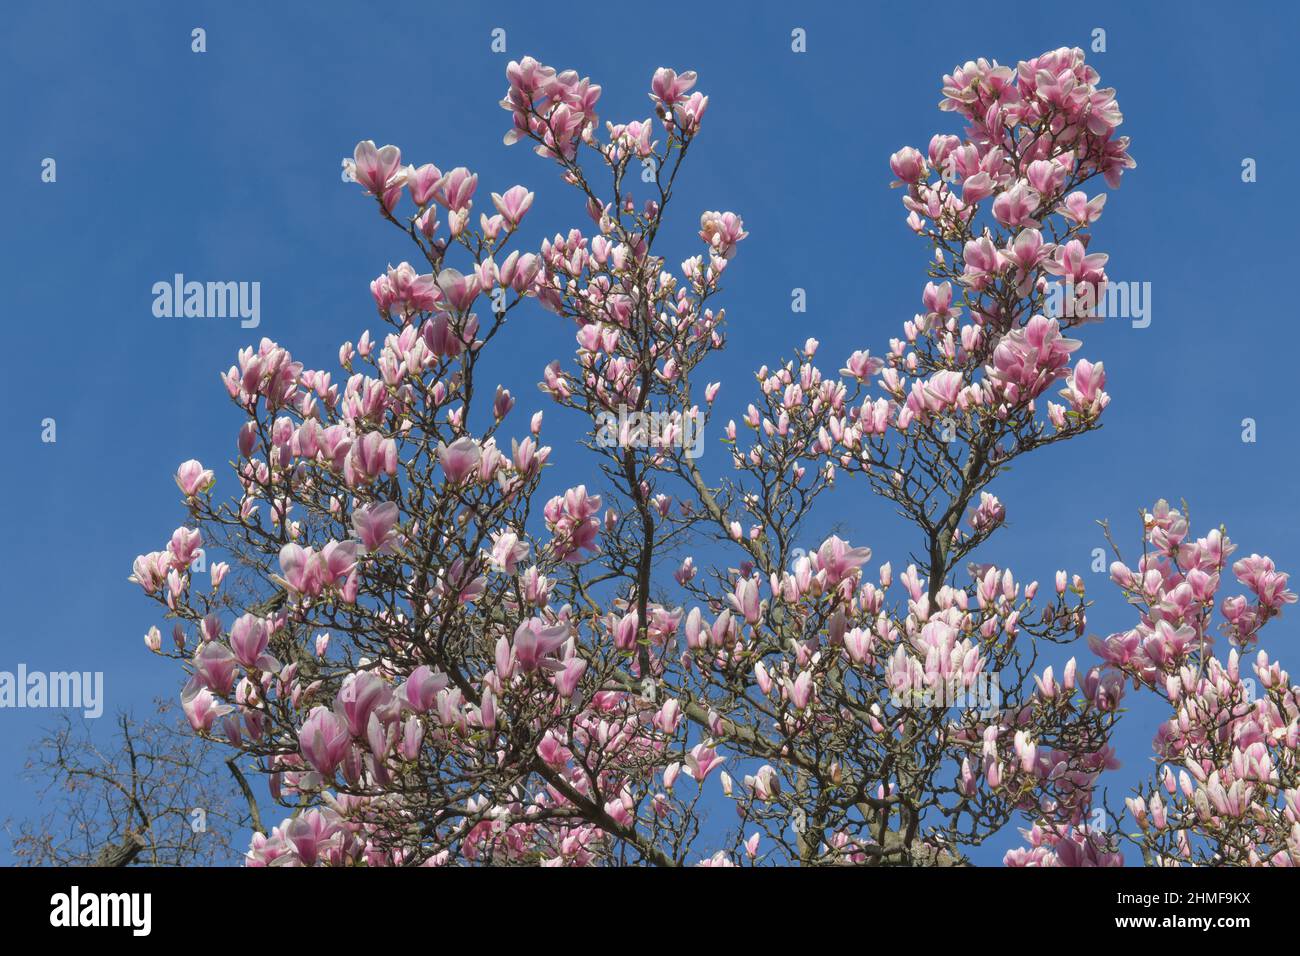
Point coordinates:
[[225, 166]]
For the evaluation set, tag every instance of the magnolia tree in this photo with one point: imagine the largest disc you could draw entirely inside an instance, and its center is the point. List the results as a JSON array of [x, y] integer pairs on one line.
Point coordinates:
[[435, 655]]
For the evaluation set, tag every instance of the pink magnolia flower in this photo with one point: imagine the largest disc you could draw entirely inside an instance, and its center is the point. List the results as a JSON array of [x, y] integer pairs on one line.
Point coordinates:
[[193, 479], [214, 667], [571, 520], [1073, 262], [371, 456], [722, 231], [184, 547], [701, 761], [201, 707], [1028, 359], [312, 832], [800, 690], [977, 187], [374, 524], [375, 169], [1027, 250], [513, 204], [534, 643], [422, 688], [507, 551], [983, 261], [908, 164], [323, 740], [745, 601], [1084, 391], [988, 515], [455, 189], [458, 290], [566, 681], [862, 366], [362, 694], [249, 636], [1078, 208], [1065, 846], [303, 569], [1016, 206], [421, 182], [667, 86], [625, 630], [338, 559], [459, 460], [838, 560]]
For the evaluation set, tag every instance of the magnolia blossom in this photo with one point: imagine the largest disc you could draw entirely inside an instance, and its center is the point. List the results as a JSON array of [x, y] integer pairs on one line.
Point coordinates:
[[437, 653]]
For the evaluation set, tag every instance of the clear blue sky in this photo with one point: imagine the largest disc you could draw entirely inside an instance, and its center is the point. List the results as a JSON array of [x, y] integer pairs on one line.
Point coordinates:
[[225, 166]]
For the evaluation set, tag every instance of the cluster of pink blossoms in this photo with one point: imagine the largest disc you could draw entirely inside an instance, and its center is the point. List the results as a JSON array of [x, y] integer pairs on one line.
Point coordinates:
[[430, 665]]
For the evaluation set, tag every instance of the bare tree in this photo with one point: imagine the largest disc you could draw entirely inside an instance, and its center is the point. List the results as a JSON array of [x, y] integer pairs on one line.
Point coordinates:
[[153, 795]]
